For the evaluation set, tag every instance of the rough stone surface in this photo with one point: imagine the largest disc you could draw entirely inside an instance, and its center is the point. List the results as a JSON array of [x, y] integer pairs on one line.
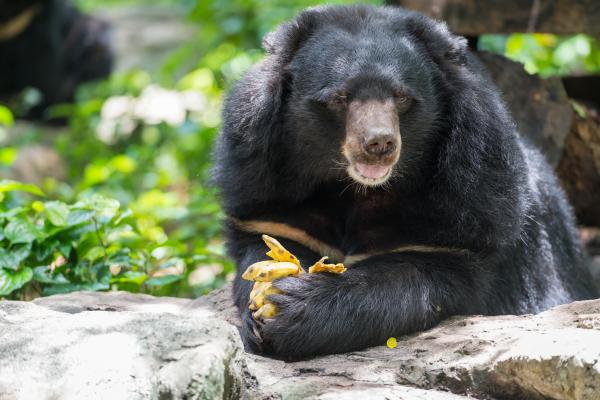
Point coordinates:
[[579, 167], [590, 237], [125, 346], [114, 346]]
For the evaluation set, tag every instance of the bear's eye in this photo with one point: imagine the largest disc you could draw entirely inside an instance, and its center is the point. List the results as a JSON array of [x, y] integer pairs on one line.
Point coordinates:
[[340, 98], [403, 101], [337, 101]]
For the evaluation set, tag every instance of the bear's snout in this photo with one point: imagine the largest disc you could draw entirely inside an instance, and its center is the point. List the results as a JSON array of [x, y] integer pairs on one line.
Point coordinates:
[[372, 144], [379, 143]]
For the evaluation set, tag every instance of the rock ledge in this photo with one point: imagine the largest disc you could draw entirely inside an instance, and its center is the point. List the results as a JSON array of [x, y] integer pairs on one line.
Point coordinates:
[[124, 346]]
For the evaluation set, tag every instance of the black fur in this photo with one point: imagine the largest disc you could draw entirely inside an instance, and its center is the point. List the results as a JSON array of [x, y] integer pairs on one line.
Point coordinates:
[[60, 49], [465, 179]]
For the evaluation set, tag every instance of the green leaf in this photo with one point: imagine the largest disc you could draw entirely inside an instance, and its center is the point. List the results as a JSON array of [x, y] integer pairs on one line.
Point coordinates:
[[22, 251], [9, 186], [65, 249], [6, 116], [76, 233], [163, 280], [105, 208], [8, 155], [21, 231], [125, 214], [8, 260], [95, 174], [12, 212], [94, 253], [85, 244], [123, 163], [43, 275], [119, 256], [135, 277], [77, 217], [11, 259], [13, 280], [45, 249], [57, 213], [102, 270]]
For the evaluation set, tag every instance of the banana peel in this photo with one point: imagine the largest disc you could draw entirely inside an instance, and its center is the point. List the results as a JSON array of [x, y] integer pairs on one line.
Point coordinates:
[[321, 266], [278, 252], [282, 264]]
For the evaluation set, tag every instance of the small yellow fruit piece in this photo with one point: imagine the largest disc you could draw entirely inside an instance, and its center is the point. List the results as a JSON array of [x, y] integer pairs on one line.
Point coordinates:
[[258, 296], [320, 266], [266, 271], [269, 310], [278, 252], [392, 343], [258, 287]]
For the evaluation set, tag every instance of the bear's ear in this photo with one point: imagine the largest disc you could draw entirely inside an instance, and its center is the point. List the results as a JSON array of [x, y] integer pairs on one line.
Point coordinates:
[[443, 46], [249, 146], [252, 107], [284, 41]]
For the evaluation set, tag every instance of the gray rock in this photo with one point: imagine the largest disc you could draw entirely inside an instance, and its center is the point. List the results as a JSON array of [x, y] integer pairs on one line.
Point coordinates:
[[35, 163], [71, 347], [125, 346]]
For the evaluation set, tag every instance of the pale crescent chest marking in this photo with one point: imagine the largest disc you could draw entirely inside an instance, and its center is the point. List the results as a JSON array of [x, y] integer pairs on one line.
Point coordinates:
[[336, 255]]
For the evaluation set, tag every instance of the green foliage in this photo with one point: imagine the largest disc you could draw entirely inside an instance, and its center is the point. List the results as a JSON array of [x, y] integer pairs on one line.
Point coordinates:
[[6, 117], [91, 244], [547, 54]]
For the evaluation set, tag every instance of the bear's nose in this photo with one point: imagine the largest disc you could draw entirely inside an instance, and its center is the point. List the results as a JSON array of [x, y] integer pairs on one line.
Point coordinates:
[[380, 144]]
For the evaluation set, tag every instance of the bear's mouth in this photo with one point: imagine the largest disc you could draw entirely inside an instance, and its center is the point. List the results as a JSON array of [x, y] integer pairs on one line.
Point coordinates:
[[370, 174]]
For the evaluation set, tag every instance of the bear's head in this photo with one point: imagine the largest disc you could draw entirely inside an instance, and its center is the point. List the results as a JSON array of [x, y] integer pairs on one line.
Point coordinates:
[[352, 92], [360, 87]]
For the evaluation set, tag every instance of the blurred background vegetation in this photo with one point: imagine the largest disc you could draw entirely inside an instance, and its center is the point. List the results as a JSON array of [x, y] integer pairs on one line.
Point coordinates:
[[129, 206]]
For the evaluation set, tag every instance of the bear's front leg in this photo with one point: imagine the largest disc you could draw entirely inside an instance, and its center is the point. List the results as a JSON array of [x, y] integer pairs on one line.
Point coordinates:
[[381, 297]]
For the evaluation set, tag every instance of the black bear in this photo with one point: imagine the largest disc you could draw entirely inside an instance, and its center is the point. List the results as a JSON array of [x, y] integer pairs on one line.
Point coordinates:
[[373, 136], [49, 45]]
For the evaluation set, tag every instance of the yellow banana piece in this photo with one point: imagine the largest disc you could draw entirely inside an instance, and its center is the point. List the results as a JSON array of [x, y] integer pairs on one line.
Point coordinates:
[[266, 271], [283, 264], [278, 252], [260, 294], [258, 288], [321, 266], [269, 310]]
